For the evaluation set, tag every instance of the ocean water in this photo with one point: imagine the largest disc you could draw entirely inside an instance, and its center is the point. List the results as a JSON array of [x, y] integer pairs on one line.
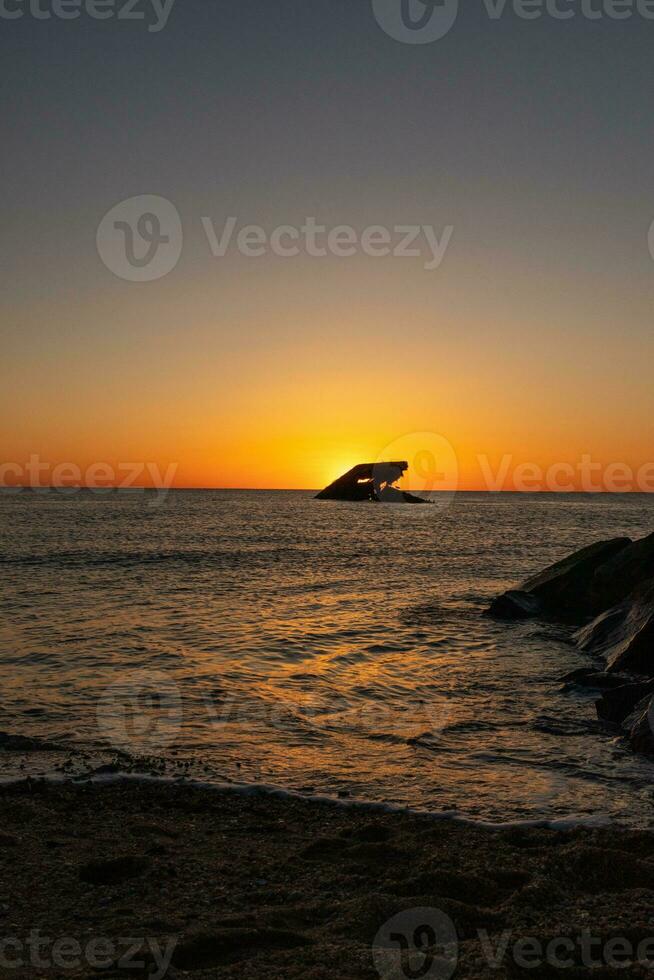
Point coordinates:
[[332, 648]]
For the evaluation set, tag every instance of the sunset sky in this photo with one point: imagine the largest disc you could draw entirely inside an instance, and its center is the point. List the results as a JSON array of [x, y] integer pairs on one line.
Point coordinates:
[[534, 338]]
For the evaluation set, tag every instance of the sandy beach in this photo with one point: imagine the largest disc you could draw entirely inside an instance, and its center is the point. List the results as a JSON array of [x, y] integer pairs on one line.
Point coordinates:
[[183, 881]]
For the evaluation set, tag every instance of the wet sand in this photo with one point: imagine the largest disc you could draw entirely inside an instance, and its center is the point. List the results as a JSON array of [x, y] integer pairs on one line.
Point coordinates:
[[254, 886]]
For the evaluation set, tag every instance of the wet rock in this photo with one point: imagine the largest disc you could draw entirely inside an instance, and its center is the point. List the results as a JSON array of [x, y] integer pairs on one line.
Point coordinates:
[[624, 635], [596, 637], [621, 574], [567, 586], [612, 581], [638, 726], [577, 676], [564, 590], [587, 677], [614, 706], [514, 605]]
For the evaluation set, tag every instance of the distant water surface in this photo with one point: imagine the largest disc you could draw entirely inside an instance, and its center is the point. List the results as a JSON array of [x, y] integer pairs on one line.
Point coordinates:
[[327, 647]]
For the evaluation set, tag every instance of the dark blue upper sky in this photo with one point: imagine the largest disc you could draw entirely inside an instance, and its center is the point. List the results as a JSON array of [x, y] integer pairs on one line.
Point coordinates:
[[310, 103]]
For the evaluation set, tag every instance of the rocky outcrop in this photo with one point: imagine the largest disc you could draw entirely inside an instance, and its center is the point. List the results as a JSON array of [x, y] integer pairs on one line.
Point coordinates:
[[639, 727], [514, 605], [624, 636], [609, 587], [619, 576], [371, 481], [617, 704], [598, 679], [565, 589], [567, 586]]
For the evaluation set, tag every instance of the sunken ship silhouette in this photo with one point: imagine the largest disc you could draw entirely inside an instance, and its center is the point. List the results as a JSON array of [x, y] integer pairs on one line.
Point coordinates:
[[371, 481]]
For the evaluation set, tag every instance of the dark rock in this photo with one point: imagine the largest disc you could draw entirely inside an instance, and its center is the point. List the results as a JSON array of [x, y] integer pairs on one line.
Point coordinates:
[[638, 726], [616, 705], [587, 677], [564, 590], [567, 586], [588, 582], [612, 581], [624, 636], [597, 637], [577, 676], [514, 605], [371, 481], [629, 568]]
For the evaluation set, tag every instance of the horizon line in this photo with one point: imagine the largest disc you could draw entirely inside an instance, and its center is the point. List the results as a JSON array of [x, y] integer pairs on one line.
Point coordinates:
[[191, 489]]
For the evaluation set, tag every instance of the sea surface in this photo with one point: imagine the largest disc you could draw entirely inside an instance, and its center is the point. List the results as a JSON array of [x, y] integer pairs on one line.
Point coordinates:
[[330, 648]]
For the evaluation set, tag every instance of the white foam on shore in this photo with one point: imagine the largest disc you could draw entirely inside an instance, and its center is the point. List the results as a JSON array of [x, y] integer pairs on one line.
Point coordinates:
[[569, 822]]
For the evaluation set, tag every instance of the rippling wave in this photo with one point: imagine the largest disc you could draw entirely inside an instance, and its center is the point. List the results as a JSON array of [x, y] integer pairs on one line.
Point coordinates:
[[315, 645]]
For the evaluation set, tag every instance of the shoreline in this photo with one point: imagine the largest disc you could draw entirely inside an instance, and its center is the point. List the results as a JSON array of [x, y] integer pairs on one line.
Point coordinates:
[[261, 791], [240, 884]]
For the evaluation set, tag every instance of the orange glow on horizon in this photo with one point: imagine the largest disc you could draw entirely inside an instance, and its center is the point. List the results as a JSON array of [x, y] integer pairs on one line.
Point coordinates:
[[245, 398]]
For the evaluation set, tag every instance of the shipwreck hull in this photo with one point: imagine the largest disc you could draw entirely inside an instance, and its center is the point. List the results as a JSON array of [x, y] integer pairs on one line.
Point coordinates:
[[372, 482]]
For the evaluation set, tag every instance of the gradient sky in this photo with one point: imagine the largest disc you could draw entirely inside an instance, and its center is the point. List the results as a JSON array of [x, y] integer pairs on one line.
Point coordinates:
[[533, 339]]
